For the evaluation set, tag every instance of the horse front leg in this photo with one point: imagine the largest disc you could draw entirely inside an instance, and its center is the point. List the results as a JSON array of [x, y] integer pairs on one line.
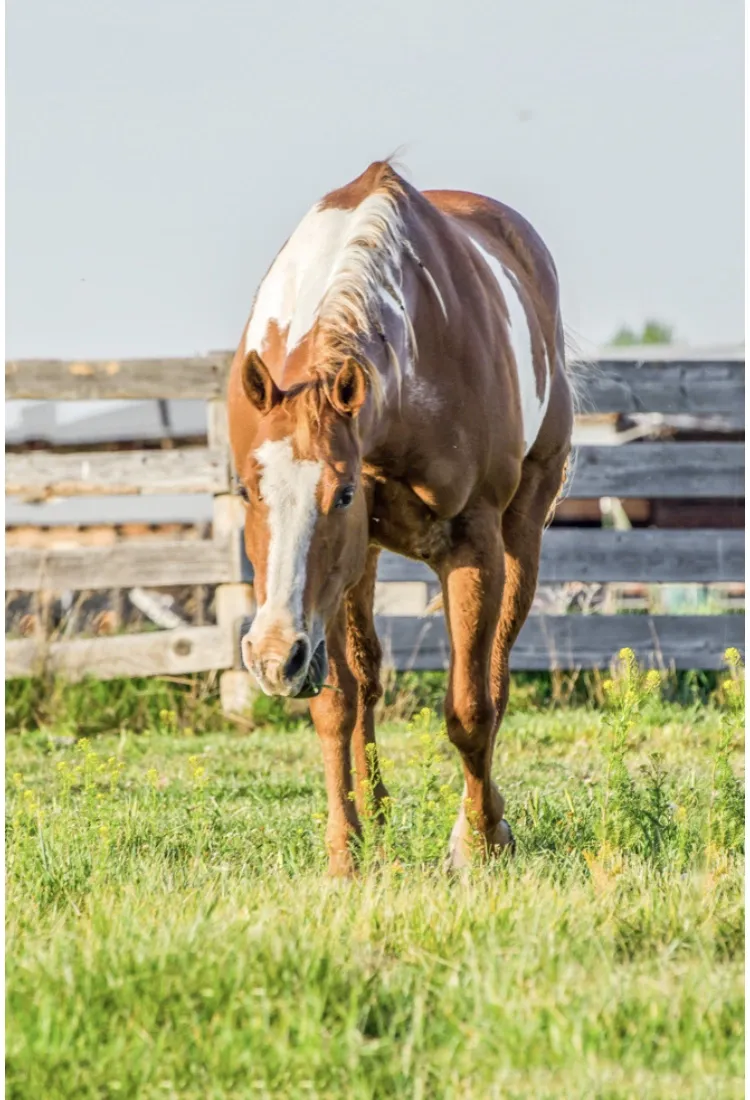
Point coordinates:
[[364, 655], [334, 713], [472, 578]]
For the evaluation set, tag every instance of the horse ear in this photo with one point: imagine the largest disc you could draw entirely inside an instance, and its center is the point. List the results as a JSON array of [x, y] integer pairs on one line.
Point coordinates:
[[258, 385], [349, 388]]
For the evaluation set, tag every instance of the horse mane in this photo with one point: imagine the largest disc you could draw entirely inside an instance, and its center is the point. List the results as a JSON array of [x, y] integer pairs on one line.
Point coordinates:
[[366, 269]]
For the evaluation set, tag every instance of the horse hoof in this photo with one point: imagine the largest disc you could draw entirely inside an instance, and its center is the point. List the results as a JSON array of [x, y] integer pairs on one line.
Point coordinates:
[[341, 867], [504, 840], [510, 845]]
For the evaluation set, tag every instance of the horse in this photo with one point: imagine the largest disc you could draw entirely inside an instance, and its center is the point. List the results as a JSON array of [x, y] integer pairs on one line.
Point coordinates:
[[400, 384]]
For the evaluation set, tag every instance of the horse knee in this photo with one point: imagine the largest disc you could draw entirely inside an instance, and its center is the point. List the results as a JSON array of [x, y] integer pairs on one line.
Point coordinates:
[[470, 720], [335, 712], [364, 655]]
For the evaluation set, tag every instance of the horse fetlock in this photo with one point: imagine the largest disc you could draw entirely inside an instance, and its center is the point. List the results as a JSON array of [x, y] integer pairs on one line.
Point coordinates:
[[341, 841], [341, 864], [481, 832]]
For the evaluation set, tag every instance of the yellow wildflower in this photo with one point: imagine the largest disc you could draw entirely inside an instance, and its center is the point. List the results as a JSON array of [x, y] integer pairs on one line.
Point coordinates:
[[652, 680], [732, 657]]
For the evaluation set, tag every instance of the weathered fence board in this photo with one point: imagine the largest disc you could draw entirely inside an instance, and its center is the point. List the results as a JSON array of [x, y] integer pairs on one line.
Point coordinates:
[[565, 641], [578, 641], [160, 653], [651, 556], [659, 470], [123, 565], [647, 555], [676, 388], [706, 470], [201, 376], [608, 386], [38, 474]]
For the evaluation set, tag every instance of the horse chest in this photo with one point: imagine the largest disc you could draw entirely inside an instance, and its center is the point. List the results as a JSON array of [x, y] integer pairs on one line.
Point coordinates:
[[401, 522]]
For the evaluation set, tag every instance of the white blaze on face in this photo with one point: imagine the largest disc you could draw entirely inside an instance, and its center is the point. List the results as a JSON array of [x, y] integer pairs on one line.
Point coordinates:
[[532, 409], [288, 486]]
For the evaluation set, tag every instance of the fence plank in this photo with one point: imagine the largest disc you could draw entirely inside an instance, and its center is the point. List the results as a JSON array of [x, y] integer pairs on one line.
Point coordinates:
[[55, 379], [566, 641], [675, 387], [608, 386], [36, 475], [161, 653], [665, 470], [645, 555], [578, 641], [122, 565], [648, 556]]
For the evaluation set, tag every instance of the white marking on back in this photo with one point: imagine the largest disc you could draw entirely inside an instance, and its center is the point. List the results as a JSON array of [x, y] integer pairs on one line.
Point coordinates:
[[294, 287], [288, 486], [532, 409], [332, 268]]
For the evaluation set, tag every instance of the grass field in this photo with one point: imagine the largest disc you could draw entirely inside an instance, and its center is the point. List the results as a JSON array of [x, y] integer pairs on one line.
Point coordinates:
[[170, 932]]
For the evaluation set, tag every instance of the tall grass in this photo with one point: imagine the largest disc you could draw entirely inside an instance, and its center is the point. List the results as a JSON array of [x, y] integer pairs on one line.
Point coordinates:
[[170, 931], [134, 705]]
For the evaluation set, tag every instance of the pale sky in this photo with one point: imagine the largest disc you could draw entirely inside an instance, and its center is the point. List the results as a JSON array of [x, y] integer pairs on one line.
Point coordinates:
[[159, 152]]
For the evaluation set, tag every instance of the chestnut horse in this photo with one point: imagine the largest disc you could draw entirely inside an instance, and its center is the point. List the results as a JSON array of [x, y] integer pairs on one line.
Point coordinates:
[[400, 383]]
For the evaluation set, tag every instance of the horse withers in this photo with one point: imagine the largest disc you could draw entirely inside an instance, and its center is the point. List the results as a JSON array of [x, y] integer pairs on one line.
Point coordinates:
[[400, 384]]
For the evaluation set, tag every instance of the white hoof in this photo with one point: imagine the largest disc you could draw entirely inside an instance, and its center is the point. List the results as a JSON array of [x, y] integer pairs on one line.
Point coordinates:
[[463, 842]]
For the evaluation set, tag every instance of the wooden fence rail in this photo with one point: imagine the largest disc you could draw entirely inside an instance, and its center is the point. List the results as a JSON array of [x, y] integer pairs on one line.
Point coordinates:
[[36, 475], [695, 470], [595, 556], [679, 386], [702, 470]]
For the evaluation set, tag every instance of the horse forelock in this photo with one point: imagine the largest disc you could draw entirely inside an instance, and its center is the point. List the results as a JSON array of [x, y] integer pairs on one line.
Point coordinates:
[[310, 412]]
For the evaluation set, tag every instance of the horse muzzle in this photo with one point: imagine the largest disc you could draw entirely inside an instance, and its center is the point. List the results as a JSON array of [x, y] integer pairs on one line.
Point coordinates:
[[283, 666]]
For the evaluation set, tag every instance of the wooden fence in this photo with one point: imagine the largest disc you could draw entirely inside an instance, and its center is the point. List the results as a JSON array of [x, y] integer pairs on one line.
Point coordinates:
[[697, 470]]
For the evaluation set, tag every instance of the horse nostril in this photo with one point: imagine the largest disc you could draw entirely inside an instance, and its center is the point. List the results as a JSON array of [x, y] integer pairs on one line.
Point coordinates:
[[296, 660]]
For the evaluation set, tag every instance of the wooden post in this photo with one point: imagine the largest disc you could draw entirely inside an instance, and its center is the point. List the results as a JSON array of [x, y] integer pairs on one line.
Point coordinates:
[[234, 601], [217, 427]]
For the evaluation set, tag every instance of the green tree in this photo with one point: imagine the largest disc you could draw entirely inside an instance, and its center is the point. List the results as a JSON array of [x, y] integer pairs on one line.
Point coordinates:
[[653, 332]]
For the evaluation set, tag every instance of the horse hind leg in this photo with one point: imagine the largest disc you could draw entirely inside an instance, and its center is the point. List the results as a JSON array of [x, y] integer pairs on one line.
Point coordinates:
[[472, 583], [523, 526]]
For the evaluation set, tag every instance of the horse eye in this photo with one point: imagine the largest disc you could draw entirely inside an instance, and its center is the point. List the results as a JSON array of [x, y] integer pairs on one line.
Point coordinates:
[[242, 491], [344, 497]]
